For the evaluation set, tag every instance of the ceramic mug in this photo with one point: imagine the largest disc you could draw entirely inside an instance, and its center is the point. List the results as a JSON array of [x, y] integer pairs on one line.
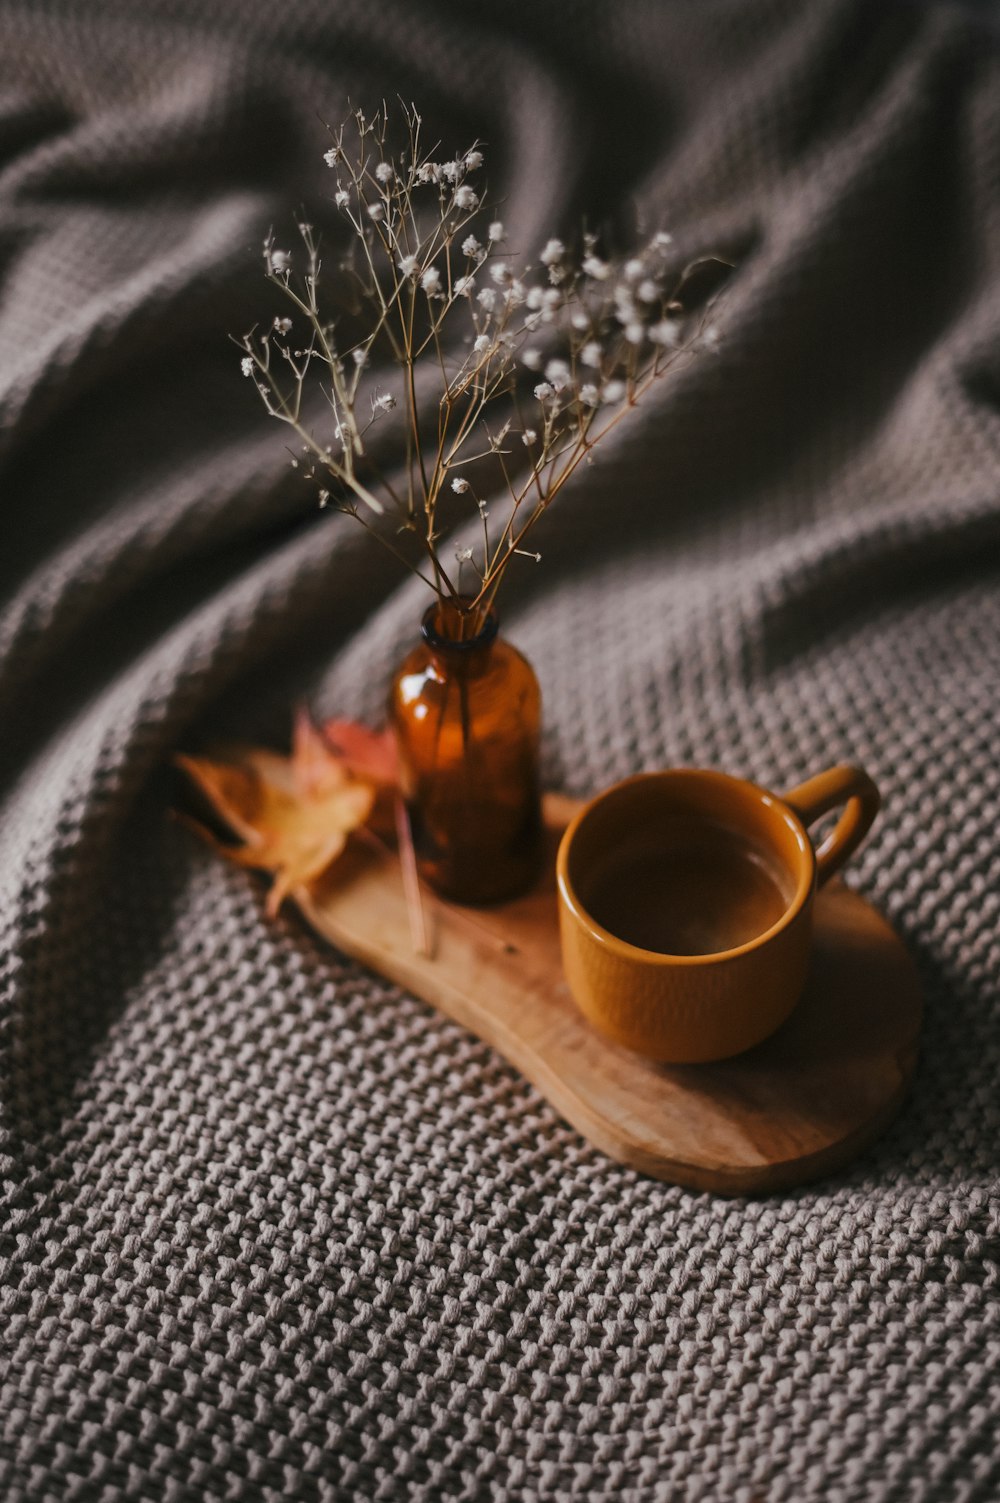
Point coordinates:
[[686, 904]]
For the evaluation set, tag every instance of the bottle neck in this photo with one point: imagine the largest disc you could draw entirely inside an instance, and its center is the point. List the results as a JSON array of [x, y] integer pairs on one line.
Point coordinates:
[[453, 639]]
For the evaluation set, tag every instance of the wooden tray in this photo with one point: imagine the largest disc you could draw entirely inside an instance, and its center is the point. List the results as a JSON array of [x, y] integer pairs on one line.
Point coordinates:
[[799, 1105]]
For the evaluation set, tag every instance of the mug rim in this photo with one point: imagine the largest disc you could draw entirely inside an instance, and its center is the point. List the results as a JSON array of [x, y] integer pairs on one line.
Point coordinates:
[[804, 889]]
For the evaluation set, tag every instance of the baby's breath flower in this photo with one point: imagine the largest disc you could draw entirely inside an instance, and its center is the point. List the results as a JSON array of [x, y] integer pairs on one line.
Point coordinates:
[[667, 332], [608, 321]]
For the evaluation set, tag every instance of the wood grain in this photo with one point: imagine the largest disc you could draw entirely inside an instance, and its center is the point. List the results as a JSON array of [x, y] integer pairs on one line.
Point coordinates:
[[798, 1106]]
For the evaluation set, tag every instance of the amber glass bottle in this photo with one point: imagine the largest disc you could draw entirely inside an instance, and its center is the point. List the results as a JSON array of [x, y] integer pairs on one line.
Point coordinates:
[[467, 715]]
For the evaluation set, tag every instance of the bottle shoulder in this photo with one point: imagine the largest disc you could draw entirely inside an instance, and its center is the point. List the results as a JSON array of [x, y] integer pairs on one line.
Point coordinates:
[[505, 674]]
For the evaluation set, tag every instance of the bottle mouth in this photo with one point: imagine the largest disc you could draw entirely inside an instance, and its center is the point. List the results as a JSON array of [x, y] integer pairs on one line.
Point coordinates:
[[430, 630]]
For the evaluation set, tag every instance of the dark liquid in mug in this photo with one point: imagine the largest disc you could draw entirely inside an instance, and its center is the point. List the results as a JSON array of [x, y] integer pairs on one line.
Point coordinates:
[[698, 890]]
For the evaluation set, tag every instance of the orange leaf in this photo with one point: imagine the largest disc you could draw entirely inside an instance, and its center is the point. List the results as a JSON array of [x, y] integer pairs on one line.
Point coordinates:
[[293, 814], [369, 754]]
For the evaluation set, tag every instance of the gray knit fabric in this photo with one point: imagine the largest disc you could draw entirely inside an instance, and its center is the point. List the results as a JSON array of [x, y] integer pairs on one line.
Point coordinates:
[[272, 1229]]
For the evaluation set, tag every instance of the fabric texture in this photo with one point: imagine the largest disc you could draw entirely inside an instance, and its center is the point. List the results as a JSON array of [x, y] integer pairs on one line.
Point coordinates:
[[271, 1228]]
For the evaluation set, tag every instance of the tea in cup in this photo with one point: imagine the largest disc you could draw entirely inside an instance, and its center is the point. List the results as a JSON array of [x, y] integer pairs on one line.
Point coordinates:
[[685, 904]]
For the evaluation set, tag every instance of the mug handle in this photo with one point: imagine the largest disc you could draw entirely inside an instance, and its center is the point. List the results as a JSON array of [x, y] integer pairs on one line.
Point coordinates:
[[826, 791]]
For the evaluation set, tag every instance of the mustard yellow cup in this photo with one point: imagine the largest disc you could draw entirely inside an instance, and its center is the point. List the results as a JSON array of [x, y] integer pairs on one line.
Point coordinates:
[[686, 904]]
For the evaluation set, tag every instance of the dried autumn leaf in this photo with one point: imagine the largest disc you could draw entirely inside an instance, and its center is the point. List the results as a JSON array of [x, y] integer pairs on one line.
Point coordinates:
[[293, 814], [368, 754]]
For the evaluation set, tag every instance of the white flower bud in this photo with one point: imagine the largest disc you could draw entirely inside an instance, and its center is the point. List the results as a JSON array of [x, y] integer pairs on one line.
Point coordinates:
[[667, 333]]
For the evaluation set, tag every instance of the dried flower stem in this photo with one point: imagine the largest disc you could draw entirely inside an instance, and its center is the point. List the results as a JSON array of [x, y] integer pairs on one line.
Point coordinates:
[[606, 333]]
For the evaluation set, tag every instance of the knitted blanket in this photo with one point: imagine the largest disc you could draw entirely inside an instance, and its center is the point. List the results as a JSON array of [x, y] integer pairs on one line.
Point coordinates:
[[272, 1229]]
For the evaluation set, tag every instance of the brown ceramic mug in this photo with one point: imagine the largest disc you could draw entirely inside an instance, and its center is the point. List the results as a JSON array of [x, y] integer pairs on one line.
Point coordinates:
[[685, 904]]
